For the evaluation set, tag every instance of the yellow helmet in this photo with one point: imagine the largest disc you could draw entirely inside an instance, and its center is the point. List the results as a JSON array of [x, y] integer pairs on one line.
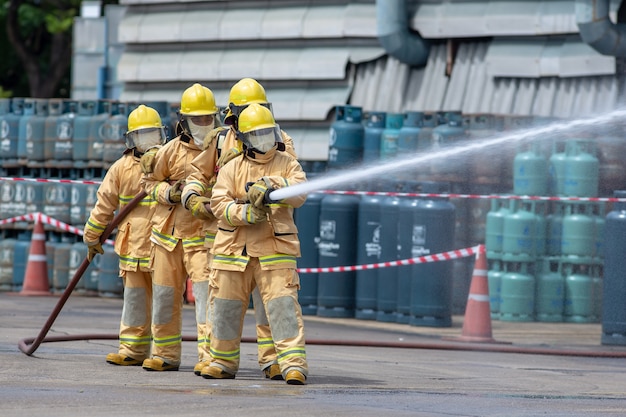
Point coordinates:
[[145, 129], [246, 91], [258, 129], [197, 100], [143, 117]]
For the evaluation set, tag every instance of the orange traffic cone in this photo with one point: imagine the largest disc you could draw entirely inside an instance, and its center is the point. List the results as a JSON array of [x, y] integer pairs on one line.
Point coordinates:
[[477, 321], [189, 292], [36, 276]]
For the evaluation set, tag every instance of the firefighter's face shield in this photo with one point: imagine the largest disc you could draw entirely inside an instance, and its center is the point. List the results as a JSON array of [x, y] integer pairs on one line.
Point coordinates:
[[144, 139], [261, 140]]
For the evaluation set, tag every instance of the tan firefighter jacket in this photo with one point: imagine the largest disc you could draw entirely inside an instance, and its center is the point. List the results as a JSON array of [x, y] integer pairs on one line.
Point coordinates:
[[171, 222], [203, 173], [120, 185], [274, 242]]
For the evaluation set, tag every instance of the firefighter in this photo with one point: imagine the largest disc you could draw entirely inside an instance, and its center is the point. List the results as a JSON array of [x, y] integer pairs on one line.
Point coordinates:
[[256, 245], [119, 186], [178, 241], [197, 193]]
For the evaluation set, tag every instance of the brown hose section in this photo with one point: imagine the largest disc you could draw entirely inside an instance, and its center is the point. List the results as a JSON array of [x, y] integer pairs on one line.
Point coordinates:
[[34, 343], [432, 345]]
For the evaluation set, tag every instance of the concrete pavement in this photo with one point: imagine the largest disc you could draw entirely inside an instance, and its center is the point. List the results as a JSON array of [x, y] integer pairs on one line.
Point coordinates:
[[349, 375]]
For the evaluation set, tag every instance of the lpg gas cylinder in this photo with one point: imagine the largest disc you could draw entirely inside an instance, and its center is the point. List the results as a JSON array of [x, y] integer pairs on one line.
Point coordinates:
[[374, 127], [550, 291], [307, 218], [517, 302], [578, 293], [389, 137], [346, 137]]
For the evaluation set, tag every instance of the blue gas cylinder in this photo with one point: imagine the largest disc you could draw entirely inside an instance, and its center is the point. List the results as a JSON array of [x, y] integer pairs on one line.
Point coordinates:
[[578, 293], [338, 227], [432, 231], [556, 168], [97, 132], [374, 126], [82, 125], [109, 281], [21, 250], [494, 280], [530, 171], [445, 136], [83, 199], [554, 231], [64, 145], [484, 168], [408, 138], [9, 130], [614, 284], [57, 201], [7, 251], [115, 128], [387, 277], [578, 240], [88, 283], [307, 218], [389, 137], [55, 110], [368, 252], [61, 271], [517, 290], [35, 132], [346, 137], [550, 290], [25, 128], [581, 171], [494, 227]]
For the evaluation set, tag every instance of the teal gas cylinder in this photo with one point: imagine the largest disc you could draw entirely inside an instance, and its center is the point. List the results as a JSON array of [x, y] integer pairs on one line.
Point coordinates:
[[424, 138], [26, 128], [432, 231], [578, 294], [368, 252], [484, 167], [408, 138], [550, 290], [64, 145], [83, 199], [581, 169], [9, 130], [35, 141], [374, 126], [55, 110], [541, 230], [307, 218], [517, 289], [21, 250], [556, 169], [337, 247], [88, 283], [518, 232], [408, 206], [390, 135], [346, 138], [578, 239], [115, 128], [61, 271], [109, 281], [494, 227], [57, 201], [614, 284], [554, 226], [494, 280], [33, 196], [387, 278], [530, 171], [598, 213], [445, 136], [82, 124], [97, 131], [7, 251]]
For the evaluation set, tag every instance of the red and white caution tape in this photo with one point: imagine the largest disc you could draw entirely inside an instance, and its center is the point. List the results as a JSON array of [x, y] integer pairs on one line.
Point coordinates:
[[444, 256], [42, 218]]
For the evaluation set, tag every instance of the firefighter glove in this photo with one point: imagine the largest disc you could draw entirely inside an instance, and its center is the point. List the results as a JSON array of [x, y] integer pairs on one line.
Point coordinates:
[[199, 207], [258, 193], [175, 191], [227, 156], [93, 249], [254, 214], [210, 137], [147, 161]]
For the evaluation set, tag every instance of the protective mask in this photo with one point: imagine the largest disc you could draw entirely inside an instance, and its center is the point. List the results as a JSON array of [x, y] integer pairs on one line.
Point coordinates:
[[198, 132], [145, 139], [264, 143]]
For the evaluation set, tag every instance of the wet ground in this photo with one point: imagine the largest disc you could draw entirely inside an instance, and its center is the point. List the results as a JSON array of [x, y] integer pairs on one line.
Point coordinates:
[[419, 373]]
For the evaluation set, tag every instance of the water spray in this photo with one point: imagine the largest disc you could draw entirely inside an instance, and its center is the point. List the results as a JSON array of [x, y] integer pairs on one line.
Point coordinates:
[[367, 170]]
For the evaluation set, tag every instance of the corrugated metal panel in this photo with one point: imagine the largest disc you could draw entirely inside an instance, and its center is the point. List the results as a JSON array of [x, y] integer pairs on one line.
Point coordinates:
[[196, 24], [324, 22], [240, 24], [160, 27], [159, 66], [283, 23], [311, 144], [128, 30], [360, 21]]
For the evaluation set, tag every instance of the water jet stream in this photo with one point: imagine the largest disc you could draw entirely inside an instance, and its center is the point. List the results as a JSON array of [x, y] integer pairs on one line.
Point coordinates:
[[361, 172]]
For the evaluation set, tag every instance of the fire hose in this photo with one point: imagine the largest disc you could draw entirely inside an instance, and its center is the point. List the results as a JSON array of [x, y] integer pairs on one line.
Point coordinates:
[[30, 345]]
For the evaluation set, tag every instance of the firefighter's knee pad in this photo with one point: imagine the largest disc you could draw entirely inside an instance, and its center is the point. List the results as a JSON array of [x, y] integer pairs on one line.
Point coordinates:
[[201, 294], [134, 311], [226, 319], [163, 304], [283, 320]]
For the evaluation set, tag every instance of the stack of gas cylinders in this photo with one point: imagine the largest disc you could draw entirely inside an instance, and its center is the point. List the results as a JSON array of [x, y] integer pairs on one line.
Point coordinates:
[[59, 139], [546, 255]]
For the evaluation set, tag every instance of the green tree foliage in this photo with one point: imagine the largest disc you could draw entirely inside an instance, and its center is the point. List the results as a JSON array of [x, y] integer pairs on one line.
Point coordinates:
[[39, 35]]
